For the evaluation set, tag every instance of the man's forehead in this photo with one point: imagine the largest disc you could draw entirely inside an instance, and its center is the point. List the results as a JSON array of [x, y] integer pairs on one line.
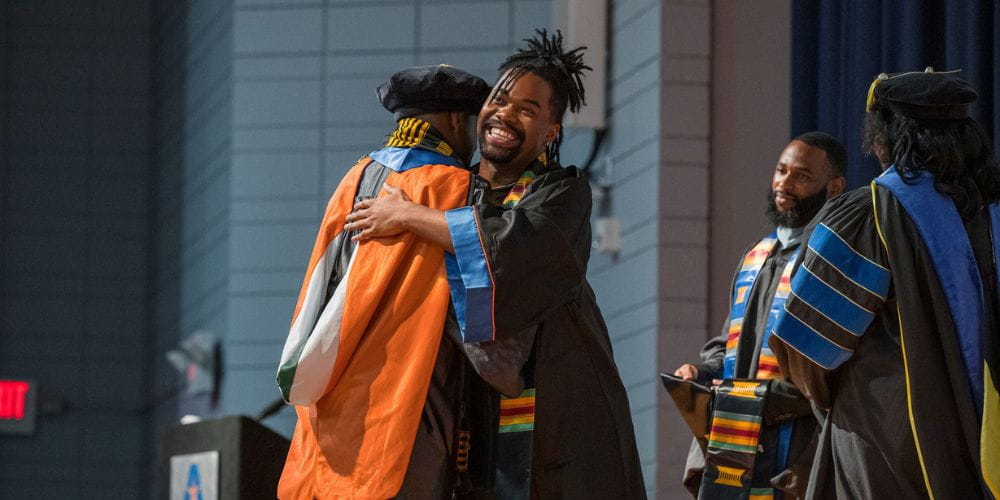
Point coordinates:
[[525, 85], [798, 153]]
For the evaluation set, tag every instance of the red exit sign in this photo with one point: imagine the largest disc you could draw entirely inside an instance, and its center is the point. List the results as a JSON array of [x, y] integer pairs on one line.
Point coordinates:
[[17, 406], [13, 396]]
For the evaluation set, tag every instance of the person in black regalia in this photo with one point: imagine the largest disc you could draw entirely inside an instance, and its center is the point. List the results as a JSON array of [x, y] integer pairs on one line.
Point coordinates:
[[891, 325], [809, 171], [545, 413]]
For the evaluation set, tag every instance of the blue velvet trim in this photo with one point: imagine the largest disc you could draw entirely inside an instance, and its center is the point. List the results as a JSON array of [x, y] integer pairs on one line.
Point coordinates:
[[943, 233], [811, 344], [831, 303], [856, 267], [728, 367], [777, 305], [784, 444], [469, 277], [743, 280], [403, 159]]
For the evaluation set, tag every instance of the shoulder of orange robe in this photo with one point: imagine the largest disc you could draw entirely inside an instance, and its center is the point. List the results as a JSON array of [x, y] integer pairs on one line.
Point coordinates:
[[311, 349]]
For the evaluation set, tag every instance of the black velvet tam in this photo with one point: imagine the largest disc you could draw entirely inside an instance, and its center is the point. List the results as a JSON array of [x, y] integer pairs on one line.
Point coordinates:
[[428, 89], [926, 96]]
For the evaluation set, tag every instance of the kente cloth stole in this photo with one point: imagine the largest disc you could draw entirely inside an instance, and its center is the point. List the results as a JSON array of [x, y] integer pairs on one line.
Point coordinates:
[[734, 443], [517, 414], [515, 431], [767, 365], [416, 133], [527, 177], [772, 454]]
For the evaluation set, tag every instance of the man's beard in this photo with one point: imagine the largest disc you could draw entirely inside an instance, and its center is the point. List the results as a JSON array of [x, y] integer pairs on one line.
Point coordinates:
[[497, 155], [800, 215]]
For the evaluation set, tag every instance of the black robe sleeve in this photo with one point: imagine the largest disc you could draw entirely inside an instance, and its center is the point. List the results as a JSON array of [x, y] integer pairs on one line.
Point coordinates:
[[712, 357], [840, 286], [513, 266], [713, 354]]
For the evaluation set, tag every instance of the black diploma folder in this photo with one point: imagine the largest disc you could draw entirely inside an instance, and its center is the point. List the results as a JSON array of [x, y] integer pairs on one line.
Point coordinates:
[[694, 402]]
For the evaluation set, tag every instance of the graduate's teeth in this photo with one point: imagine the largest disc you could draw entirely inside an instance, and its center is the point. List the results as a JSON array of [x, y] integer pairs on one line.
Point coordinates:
[[502, 135]]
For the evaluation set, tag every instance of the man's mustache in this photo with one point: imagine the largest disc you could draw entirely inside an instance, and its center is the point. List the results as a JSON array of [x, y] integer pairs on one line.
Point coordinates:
[[786, 195]]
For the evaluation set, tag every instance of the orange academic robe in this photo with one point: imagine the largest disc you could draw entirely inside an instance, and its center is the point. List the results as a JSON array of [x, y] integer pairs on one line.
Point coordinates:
[[358, 415]]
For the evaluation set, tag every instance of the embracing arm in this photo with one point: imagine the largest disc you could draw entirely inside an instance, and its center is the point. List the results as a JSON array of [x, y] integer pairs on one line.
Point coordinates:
[[536, 253], [394, 213], [513, 265]]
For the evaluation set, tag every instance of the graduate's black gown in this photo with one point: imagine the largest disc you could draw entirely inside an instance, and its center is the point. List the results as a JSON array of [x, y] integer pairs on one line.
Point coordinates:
[[547, 326]]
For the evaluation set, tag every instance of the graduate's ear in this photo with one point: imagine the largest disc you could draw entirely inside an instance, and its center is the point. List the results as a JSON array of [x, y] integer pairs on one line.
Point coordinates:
[[462, 134], [835, 187], [552, 133], [456, 121]]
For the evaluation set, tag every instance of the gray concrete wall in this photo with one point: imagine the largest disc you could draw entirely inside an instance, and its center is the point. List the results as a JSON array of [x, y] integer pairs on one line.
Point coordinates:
[[724, 118], [684, 215], [751, 97], [626, 284]]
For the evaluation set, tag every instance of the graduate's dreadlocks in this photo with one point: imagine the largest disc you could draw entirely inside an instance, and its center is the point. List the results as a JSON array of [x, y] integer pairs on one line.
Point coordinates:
[[563, 70]]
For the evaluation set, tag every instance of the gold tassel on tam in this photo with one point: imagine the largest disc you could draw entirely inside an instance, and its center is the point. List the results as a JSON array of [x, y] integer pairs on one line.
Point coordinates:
[[885, 76], [871, 91]]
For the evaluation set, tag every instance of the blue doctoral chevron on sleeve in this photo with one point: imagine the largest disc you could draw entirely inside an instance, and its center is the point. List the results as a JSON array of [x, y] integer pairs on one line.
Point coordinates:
[[824, 307], [830, 302], [810, 343], [853, 265]]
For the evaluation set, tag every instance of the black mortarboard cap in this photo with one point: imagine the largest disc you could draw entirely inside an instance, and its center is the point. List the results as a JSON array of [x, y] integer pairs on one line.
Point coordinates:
[[428, 89], [924, 95]]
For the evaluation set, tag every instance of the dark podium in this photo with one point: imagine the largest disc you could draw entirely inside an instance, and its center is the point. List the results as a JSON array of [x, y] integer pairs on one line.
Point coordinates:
[[234, 457]]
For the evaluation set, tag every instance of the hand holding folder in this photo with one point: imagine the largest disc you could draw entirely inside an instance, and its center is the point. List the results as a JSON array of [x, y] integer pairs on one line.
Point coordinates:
[[784, 403], [694, 402]]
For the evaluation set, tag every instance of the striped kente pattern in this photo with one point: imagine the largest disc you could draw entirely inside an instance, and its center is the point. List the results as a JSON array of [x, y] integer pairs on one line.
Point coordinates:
[[517, 192], [761, 493], [734, 440], [753, 261], [409, 133], [767, 363], [734, 432], [527, 177], [518, 414], [462, 454]]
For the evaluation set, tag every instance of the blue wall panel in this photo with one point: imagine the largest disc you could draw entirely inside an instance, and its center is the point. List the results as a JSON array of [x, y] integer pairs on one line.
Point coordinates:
[[627, 287], [74, 205], [192, 113]]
